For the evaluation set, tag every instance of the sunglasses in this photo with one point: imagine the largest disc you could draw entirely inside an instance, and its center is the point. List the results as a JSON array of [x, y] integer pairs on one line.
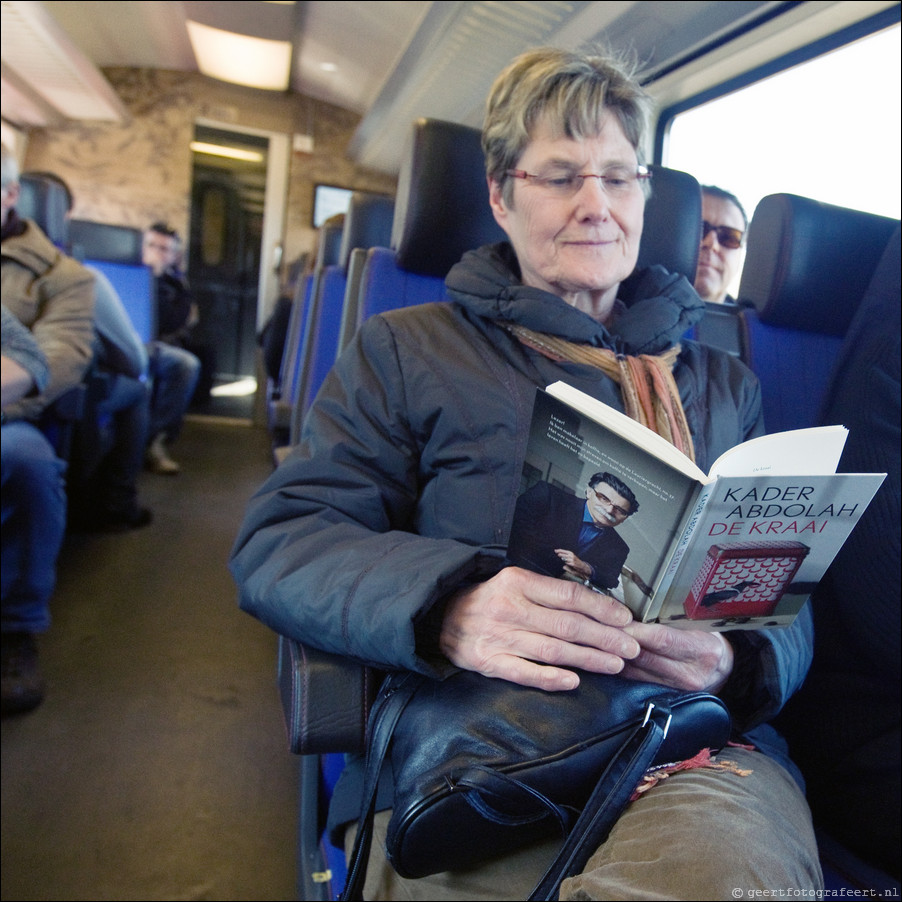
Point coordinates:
[[726, 237]]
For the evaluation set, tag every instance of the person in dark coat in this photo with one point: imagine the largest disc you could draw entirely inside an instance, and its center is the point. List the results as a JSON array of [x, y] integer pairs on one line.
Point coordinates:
[[382, 535]]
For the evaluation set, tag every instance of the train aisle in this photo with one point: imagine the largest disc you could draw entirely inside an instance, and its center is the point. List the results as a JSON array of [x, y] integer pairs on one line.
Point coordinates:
[[157, 766]]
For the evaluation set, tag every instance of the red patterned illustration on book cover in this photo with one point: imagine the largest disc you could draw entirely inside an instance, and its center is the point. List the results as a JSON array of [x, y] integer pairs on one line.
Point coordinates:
[[743, 579]]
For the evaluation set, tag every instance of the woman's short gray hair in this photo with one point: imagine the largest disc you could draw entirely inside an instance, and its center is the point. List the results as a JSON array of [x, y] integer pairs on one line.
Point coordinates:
[[572, 91]]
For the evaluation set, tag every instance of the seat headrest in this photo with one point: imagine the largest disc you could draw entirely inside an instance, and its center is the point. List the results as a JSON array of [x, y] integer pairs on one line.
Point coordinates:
[[102, 241], [442, 205], [672, 231], [368, 223], [808, 263], [45, 202], [329, 244]]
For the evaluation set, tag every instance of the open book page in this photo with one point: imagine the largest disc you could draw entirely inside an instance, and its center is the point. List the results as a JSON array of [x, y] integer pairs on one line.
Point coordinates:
[[632, 431], [813, 452]]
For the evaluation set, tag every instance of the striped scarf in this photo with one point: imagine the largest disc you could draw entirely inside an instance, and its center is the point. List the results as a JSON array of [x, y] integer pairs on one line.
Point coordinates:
[[650, 394]]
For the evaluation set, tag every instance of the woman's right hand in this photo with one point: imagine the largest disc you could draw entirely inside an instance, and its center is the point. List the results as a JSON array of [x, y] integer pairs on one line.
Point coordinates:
[[528, 628]]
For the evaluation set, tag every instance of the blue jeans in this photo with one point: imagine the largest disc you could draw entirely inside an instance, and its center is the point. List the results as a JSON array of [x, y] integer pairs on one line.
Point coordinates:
[[112, 445], [174, 372], [34, 522]]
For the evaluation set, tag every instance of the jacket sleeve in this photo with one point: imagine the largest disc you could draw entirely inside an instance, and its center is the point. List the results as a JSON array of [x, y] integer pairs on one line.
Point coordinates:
[[64, 331], [19, 345], [329, 551], [122, 348], [770, 666]]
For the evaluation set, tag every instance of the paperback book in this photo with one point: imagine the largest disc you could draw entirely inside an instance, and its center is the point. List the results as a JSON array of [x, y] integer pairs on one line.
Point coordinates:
[[610, 503]]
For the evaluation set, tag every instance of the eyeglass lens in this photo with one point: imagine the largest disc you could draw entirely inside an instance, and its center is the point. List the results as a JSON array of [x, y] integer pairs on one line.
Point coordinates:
[[605, 500], [726, 236]]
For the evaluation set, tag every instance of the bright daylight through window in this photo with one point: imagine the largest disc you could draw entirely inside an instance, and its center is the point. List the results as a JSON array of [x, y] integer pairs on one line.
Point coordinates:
[[827, 129]]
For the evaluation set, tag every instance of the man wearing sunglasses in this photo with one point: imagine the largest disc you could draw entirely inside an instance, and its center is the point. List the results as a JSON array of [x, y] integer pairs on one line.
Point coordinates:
[[570, 536], [720, 256]]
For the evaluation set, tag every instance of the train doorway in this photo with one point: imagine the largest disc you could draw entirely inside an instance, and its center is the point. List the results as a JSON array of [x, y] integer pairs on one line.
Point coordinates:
[[229, 252]]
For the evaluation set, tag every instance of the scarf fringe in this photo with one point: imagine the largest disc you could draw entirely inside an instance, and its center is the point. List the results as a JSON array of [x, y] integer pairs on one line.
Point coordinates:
[[703, 759]]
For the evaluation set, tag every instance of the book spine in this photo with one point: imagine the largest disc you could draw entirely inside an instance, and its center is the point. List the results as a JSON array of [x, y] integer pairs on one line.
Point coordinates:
[[676, 554]]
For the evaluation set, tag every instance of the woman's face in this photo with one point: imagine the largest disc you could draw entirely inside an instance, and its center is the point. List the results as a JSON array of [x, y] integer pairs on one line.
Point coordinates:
[[580, 247]]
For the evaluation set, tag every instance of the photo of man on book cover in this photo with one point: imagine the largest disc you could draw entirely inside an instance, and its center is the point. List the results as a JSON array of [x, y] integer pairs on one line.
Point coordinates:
[[561, 534], [579, 482]]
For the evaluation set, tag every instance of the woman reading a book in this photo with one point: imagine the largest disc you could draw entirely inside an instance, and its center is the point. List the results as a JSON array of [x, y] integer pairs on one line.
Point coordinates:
[[382, 537]]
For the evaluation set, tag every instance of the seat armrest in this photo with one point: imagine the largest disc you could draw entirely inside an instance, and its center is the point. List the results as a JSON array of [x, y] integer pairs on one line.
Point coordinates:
[[326, 699]]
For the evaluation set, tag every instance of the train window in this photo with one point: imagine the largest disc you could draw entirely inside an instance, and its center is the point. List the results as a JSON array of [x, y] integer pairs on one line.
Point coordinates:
[[828, 129], [328, 200]]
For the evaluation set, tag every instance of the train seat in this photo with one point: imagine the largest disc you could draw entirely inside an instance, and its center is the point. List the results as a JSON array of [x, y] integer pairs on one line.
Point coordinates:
[[45, 202], [278, 414], [324, 313], [441, 211], [822, 287], [806, 270], [367, 223], [297, 342], [671, 233], [116, 251]]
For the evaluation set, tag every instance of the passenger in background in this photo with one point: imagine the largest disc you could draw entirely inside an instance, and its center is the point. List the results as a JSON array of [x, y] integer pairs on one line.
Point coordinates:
[[724, 224], [109, 499], [274, 333], [52, 297], [109, 459], [382, 535], [173, 368], [34, 521]]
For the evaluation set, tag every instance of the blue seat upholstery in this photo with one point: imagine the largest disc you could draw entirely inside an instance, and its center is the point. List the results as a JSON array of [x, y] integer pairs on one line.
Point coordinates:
[[278, 409], [297, 343], [117, 252], [366, 223], [822, 287], [321, 310], [441, 211], [806, 270]]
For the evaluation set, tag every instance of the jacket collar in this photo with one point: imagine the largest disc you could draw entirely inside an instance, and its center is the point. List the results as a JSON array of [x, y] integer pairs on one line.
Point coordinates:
[[659, 306]]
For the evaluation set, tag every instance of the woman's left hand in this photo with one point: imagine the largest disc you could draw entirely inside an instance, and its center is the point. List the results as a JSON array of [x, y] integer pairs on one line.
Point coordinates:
[[695, 660]]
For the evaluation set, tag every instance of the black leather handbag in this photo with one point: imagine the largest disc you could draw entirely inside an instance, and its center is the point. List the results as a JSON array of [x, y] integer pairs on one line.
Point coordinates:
[[483, 766]]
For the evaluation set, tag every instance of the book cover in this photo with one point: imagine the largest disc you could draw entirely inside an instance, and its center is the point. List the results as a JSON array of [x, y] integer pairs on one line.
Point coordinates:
[[607, 502], [760, 547], [628, 549]]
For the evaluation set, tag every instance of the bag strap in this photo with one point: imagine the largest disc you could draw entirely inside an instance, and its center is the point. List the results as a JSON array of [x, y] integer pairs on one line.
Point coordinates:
[[393, 697], [609, 797]]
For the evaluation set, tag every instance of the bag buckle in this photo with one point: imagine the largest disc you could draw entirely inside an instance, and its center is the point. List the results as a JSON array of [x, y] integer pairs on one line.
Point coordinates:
[[648, 710]]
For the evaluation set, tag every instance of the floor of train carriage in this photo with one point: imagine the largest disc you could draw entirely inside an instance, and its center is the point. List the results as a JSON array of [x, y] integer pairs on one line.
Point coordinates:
[[157, 766]]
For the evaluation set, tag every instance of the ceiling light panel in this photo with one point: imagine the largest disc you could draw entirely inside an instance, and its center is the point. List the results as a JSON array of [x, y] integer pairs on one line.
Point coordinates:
[[37, 50]]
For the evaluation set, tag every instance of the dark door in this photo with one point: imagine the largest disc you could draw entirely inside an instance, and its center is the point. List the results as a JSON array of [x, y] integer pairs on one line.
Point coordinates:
[[224, 252]]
